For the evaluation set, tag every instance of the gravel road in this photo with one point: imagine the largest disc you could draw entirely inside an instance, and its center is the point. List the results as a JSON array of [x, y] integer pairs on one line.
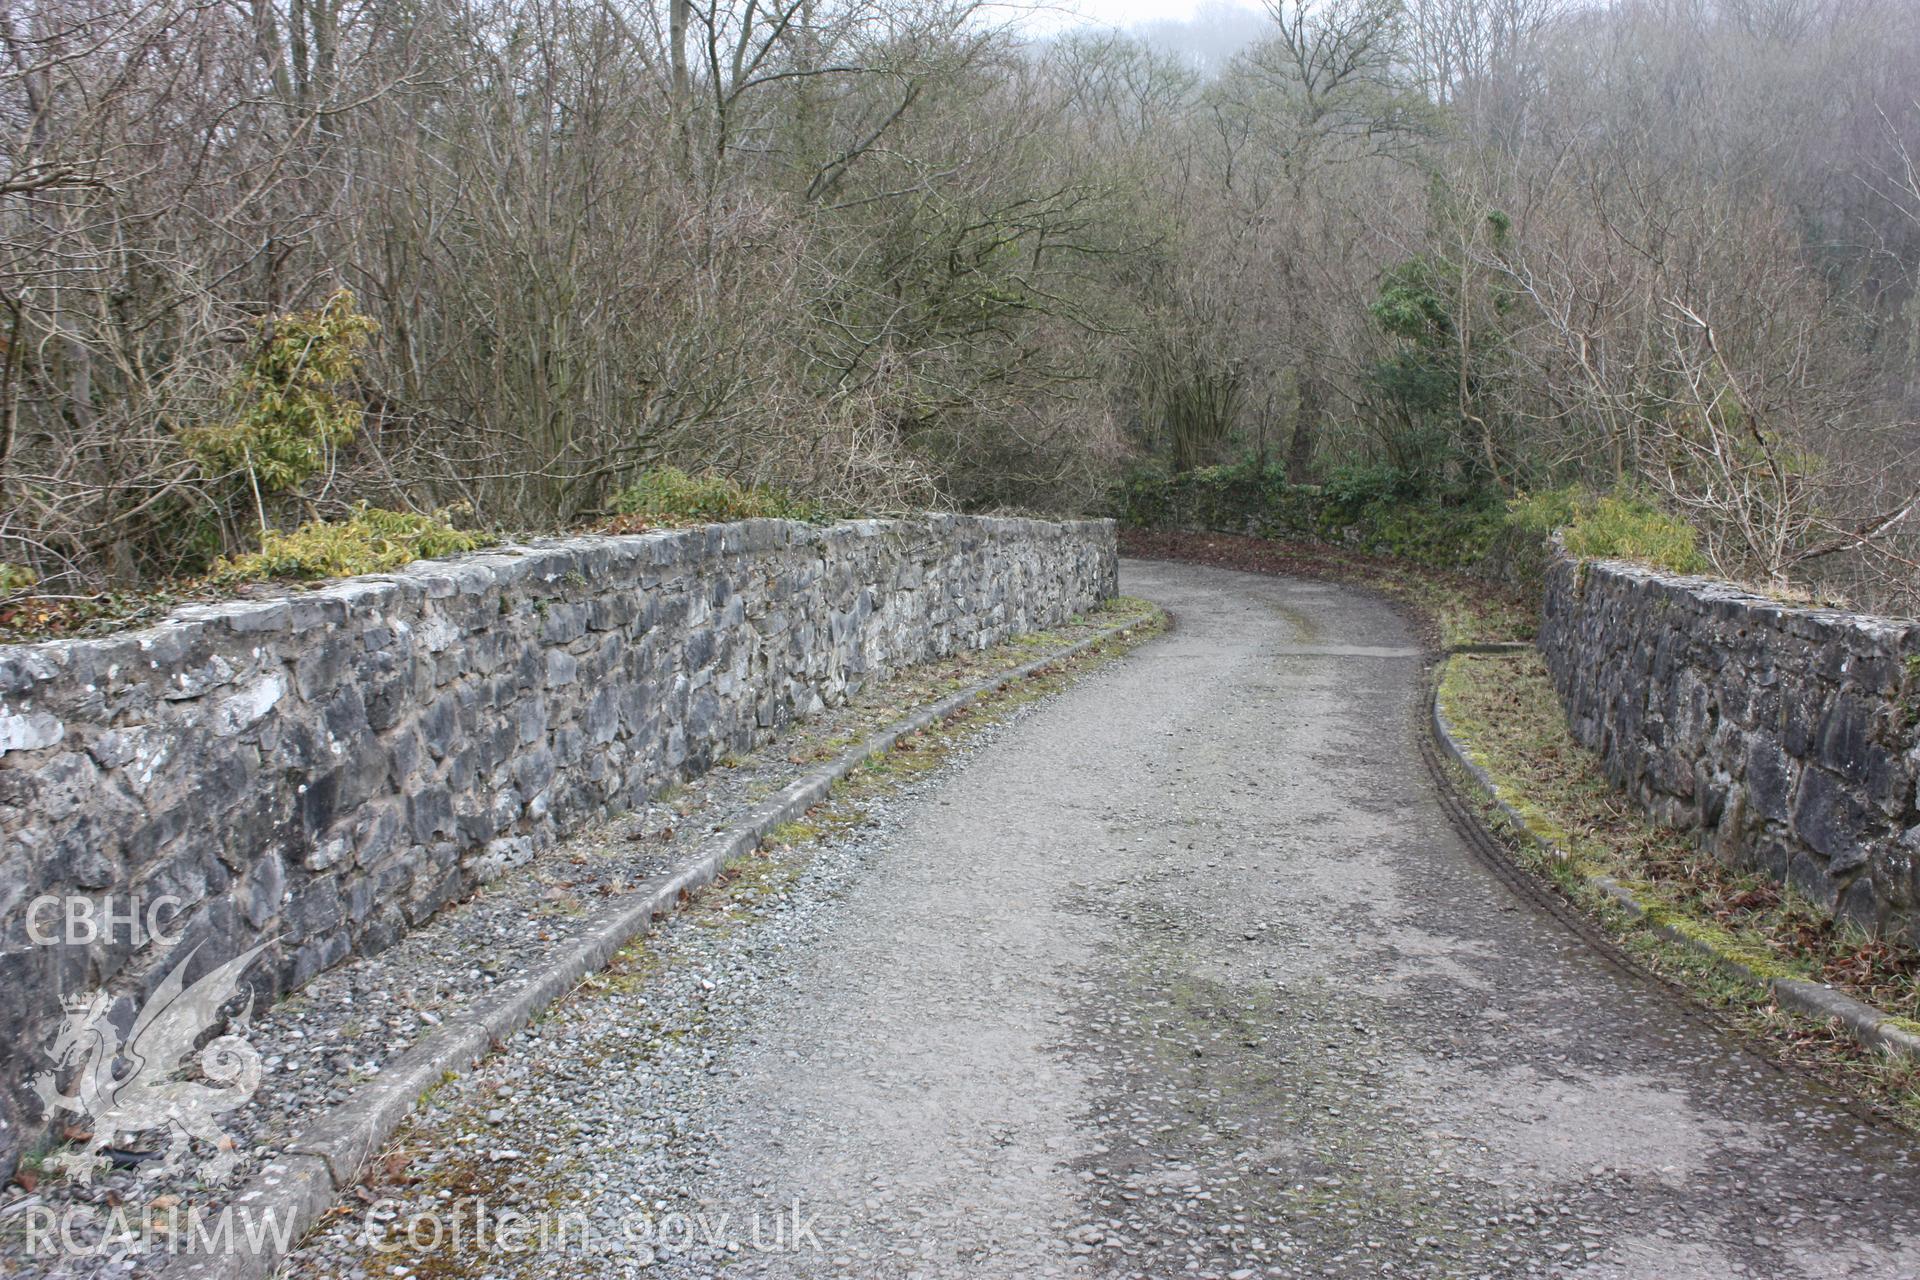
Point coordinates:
[[1179, 972]]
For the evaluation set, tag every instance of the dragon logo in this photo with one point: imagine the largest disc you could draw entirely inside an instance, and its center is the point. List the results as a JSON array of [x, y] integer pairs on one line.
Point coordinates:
[[131, 1087]]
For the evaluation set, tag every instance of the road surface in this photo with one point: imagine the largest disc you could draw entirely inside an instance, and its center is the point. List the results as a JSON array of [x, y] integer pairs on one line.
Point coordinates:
[[1184, 972]]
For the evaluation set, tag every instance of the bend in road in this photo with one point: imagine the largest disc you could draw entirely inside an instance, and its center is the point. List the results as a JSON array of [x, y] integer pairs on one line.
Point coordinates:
[[1188, 974]]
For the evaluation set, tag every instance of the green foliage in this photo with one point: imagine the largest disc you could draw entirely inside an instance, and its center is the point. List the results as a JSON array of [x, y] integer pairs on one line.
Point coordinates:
[[371, 540], [16, 577], [1614, 526], [1145, 499], [1420, 381], [1392, 511], [1240, 497], [669, 495], [1410, 304], [1445, 381], [1444, 536], [1379, 509], [1387, 510], [1354, 492], [286, 409]]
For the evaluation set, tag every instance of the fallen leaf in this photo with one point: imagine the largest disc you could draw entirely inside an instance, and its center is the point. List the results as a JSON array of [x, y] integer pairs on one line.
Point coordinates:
[[394, 1167]]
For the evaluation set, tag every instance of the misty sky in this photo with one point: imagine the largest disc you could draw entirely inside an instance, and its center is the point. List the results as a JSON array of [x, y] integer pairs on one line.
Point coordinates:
[[1126, 13], [1129, 13]]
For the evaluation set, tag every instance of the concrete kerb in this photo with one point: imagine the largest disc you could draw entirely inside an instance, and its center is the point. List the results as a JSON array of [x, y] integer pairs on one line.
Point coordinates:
[[329, 1156], [1870, 1027]]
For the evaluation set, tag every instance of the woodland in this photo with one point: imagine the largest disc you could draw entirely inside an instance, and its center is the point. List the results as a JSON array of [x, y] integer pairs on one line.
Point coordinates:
[[1408, 267]]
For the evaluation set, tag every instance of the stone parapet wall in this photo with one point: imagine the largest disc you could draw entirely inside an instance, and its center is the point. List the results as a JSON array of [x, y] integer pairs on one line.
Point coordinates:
[[1785, 736], [326, 768]]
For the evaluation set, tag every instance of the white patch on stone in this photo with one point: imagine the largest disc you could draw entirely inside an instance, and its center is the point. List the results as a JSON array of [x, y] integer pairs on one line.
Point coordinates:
[[183, 685], [500, 857], [30, 731], [249, 705], [328, 854], [438, 634], [159, 758]]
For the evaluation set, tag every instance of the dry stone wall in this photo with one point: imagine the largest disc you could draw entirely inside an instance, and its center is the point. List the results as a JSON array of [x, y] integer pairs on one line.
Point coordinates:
[[327, 768], [1785, 736]]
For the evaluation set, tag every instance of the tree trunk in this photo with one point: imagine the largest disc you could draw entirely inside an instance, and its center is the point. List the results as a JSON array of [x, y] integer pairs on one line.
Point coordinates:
[[1306, 429], [677, 17]]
